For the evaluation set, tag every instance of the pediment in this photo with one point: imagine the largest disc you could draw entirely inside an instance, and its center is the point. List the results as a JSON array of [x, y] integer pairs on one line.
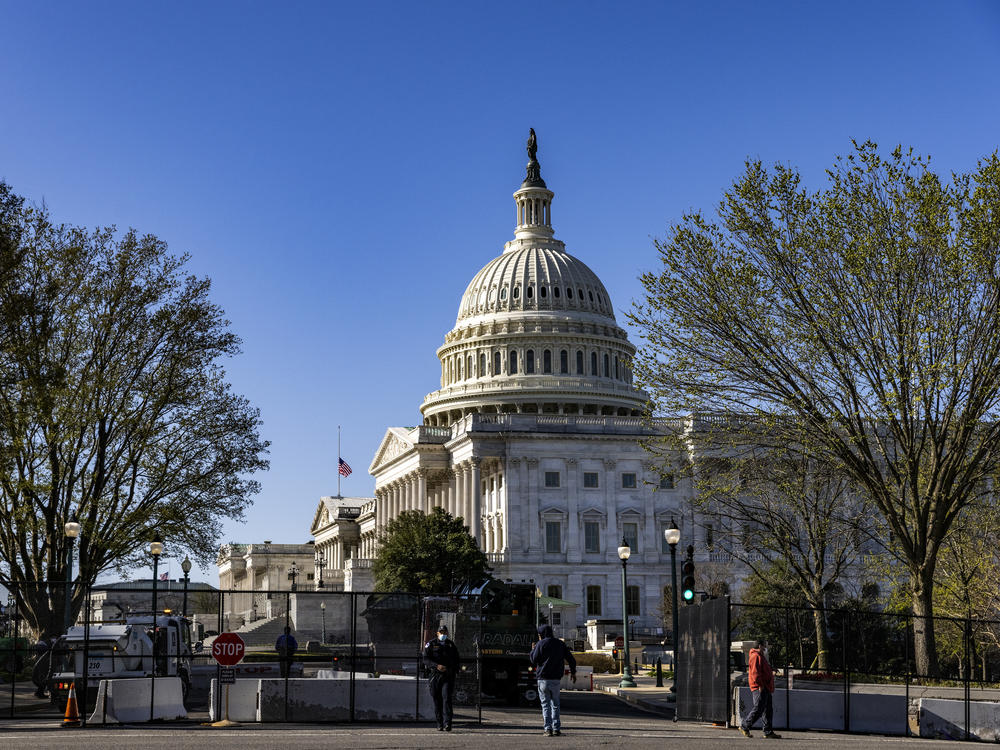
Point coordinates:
[[552, 511], [393, 445], [321, 517], [593, 512]]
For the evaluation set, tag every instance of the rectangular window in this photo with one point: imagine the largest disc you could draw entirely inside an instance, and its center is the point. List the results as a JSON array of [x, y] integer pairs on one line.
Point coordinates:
[[631, 533], [590, 480], [667, 482], [593, 600], [553, 542], [632, 600], [553, 591], [591, 536], [552, 479], [557, 618], [628, 480]]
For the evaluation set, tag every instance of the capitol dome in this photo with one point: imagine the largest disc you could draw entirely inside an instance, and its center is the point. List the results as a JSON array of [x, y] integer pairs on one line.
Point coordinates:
[[536, 332]]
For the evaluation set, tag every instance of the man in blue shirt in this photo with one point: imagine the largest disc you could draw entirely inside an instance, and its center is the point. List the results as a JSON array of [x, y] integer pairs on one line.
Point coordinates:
[[286, 646], [547, 658]]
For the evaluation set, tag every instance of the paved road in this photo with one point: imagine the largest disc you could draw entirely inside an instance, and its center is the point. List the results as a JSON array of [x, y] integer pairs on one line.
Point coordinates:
[[591, 720]]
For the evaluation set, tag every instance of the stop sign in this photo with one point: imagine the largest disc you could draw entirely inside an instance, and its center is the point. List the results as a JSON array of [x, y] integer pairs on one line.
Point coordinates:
[[228, 649], [620, 642]]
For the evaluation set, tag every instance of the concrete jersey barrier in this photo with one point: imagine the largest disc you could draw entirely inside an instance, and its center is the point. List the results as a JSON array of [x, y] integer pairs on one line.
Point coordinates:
[[824, 709], [128, 700], [945, 719]]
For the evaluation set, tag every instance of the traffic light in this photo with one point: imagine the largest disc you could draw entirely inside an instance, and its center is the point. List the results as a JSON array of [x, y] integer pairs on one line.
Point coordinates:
[[687, 575]]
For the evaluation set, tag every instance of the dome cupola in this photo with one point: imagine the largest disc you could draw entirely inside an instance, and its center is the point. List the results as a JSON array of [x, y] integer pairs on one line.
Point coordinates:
[[536, 331]]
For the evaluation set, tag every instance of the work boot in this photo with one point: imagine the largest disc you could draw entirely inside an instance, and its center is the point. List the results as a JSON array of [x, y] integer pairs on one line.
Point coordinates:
[[557, 733], [772, 736], [746, 732], [548, 732]]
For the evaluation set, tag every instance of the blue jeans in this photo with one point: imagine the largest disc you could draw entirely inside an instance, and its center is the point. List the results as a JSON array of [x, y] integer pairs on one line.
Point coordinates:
[[548, 692], [763, 707]]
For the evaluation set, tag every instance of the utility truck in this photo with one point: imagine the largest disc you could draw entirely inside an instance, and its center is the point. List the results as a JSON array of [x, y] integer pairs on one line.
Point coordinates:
[[136, 646]]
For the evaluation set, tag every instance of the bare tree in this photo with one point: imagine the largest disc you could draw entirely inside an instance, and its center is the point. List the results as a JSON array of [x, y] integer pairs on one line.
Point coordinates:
[[859, 322], [113, 407]]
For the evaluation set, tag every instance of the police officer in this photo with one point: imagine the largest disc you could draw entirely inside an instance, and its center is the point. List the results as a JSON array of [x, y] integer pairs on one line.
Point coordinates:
[[441, 656]]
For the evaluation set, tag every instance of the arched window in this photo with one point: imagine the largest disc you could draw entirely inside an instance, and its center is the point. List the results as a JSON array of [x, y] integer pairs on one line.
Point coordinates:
[[458, 369], [496, 363], [482, 364], [591, 296], [543, 291], [593, 363], [531, 292], [579, 362], [555, 292], [579, 293], [513, 363], [617, 370], [447, 379], [569, 292], [607, 366], [468, 366], [547, 362], [529, 362], [517, 292], [503, 293], [563, 362]]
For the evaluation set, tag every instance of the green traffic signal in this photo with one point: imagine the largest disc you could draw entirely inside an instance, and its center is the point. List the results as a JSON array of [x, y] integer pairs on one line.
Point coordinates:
[[688, 595]]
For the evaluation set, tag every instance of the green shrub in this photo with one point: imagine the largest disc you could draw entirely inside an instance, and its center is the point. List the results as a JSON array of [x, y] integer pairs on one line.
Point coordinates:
[[600, 662]]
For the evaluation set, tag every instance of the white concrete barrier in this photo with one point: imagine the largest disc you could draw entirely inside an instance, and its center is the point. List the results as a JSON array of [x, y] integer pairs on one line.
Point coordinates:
[[375, 699], [132, 700], [584, 679], [824, 709], [945, 719], [242, 696]]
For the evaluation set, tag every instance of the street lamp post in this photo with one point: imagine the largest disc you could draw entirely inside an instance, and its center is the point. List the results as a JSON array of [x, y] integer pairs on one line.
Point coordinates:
[[155, 549], [322, 609], [186, 567], [673, 536], [293, 573], [72, 531], [320, 562], [623, 554]]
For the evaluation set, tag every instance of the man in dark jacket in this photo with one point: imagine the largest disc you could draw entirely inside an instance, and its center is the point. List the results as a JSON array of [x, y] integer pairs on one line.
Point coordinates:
[[286, 646], [761, 679], [547, 658], [441, 656]]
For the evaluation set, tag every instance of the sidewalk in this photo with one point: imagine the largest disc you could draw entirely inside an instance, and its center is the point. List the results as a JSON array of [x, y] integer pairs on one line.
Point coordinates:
[[645, 695]]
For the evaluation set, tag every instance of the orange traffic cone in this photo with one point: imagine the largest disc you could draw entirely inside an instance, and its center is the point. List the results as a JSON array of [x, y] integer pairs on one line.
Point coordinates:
[[72, 712]]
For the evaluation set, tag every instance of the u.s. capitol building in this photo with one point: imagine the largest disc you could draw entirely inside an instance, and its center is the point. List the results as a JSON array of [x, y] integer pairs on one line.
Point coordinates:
[[532, 437]]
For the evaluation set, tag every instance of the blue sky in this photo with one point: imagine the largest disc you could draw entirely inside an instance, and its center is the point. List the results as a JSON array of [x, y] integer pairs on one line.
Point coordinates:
[[342, 170]]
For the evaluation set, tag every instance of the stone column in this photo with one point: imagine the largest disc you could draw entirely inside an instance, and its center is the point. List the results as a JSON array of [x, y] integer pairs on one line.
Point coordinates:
[[573, 547], [613, 537], [422, 503], [476, 502], [531, 488]]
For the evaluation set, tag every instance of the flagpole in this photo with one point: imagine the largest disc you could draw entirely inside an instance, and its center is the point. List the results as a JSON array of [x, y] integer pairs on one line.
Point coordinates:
[[338, 460]]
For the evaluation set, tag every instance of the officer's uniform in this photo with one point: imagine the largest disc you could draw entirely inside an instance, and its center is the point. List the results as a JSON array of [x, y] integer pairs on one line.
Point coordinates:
[[442, 683]]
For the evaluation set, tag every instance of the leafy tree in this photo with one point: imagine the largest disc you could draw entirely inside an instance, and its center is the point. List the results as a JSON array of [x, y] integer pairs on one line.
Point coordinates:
[[776, 504], [113, 407], [859, 322], [428, 553]]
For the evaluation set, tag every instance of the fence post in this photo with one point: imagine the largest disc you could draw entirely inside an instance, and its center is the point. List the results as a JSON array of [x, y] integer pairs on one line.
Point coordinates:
[[847, 687], [967, 672]]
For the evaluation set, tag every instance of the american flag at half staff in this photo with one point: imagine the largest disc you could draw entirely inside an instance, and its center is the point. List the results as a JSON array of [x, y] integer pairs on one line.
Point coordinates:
[[344, 467]]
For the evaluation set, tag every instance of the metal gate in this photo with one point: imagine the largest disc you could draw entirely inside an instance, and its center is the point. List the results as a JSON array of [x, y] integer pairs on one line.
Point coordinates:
[[703, 661]]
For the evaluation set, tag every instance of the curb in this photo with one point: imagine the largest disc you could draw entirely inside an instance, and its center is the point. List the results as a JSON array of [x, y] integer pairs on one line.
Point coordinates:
[[653, 706]]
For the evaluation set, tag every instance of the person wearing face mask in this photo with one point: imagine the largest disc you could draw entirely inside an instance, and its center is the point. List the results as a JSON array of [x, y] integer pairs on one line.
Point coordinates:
[[441, 657], [547, 658], [761, 680]]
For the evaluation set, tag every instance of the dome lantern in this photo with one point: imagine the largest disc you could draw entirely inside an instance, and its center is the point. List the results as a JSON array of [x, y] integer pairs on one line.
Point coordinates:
[[533, 199]]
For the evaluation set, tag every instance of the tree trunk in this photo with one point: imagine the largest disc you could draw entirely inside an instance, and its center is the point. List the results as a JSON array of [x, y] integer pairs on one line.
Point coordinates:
[[822, 639], [924, 643]]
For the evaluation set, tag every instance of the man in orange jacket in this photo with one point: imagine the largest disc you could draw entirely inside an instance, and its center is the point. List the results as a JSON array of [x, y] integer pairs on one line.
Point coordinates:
[[762, 689]]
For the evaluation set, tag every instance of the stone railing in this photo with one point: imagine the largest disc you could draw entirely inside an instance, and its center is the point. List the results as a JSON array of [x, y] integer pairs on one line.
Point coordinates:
[[497, 558], [358, 563]]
